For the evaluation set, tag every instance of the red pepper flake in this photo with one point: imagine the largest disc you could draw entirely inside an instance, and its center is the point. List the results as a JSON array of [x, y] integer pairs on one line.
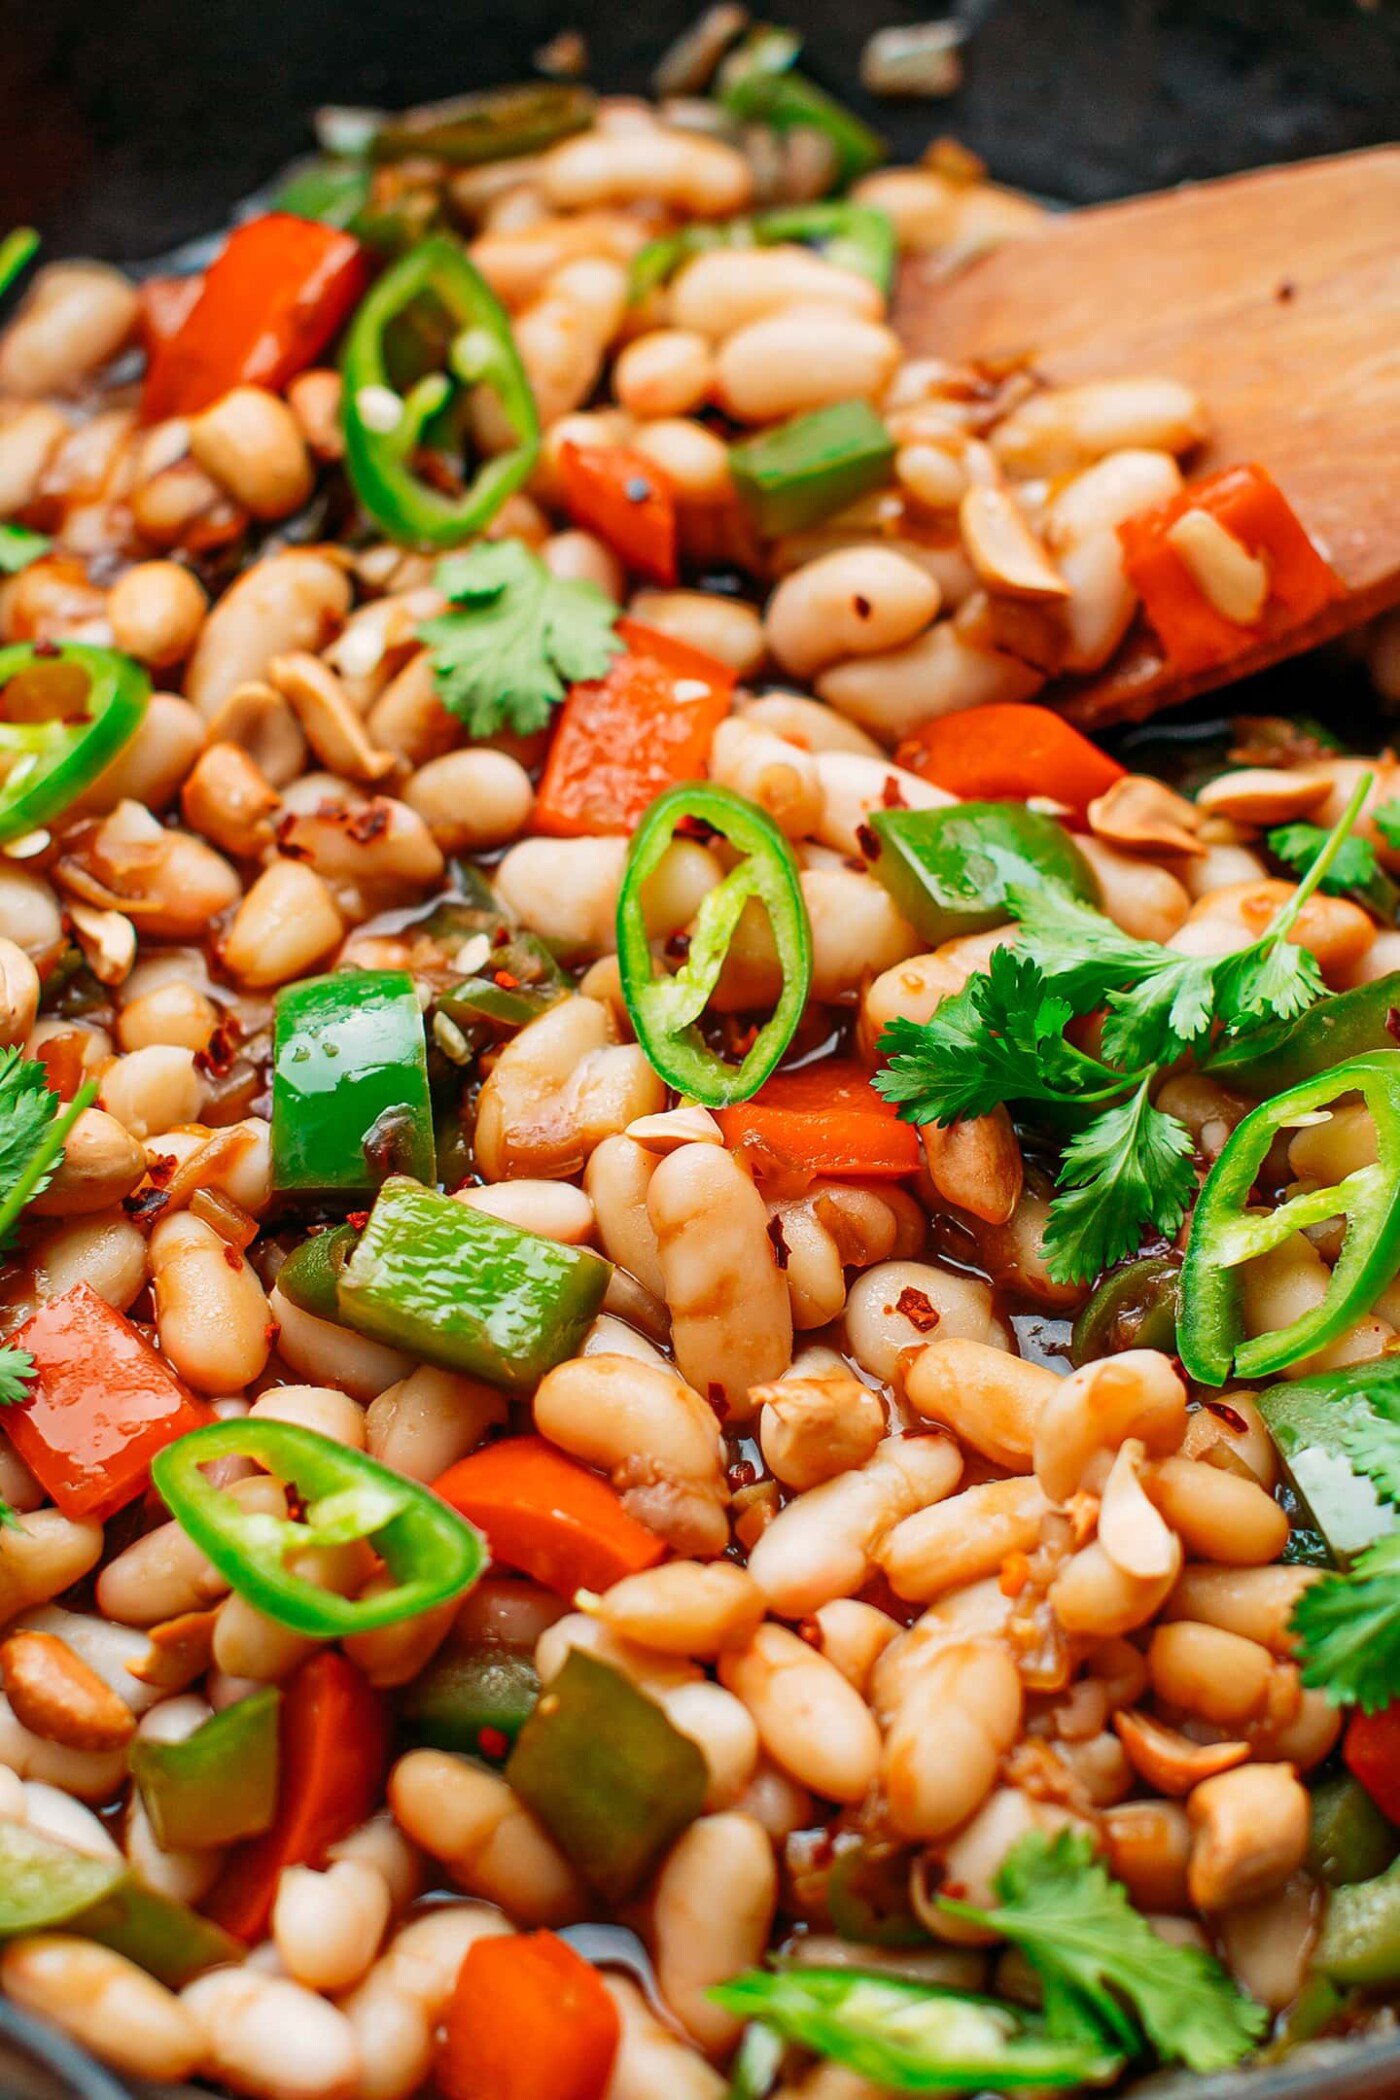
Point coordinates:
[[1230, 1416], [678, 945], [1285, 290], [233, 1256], [863, 606], [160, 1169], [145, 1206], [916, 1308], [358, 1218], [272, 1334], [742, 1474], [505, 980], [868, 842], [365, 825], [492, 1742], [780, 1245], [220, 1053], [809, 1631], [892, 795], [287, 846], [715, 1394], [1392, 1022], [1015, 1574], [45, 648], [501, 937], [694, 828]]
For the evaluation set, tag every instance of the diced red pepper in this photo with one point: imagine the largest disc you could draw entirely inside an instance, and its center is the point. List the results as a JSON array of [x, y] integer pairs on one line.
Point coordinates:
[[102, 1403], [1007, 752], [627, 501], [165, 305], [622, 740], [548, 1517], [825, 1119], [528, 2020], [1254, 510], [334, 1737], [271, 302], [1372, 1756]]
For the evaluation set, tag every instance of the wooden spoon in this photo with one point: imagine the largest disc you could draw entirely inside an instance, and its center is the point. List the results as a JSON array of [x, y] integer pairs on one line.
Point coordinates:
[[1276, 295]]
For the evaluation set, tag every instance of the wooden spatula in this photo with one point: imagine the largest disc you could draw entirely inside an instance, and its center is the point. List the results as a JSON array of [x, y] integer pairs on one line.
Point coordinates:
[[1277, 295]]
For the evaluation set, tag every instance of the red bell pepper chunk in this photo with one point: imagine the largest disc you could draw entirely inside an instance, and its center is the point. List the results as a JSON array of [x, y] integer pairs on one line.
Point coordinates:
[[334, 1737], [627, 501], [101, 1405], [270, 304], [1007, 752], [528, 2020], [548, 1517], [1254, 510], [1371, 1753], [825, 1119], [622, 740], [165, 305]]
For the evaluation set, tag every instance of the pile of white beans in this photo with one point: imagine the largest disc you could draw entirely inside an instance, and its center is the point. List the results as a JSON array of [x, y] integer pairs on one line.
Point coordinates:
[[957, 1591]]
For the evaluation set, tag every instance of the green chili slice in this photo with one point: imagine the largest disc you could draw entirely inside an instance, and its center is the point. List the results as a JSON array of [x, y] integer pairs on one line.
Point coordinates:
[[434, 311], [430, 1551], [856, 237], [217, 1785], [664, 1009], [68, 709], [490, 124], [1226, 1232]]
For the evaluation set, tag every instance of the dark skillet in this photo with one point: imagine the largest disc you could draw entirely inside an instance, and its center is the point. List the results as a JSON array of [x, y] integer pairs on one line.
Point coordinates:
[[126, 130]]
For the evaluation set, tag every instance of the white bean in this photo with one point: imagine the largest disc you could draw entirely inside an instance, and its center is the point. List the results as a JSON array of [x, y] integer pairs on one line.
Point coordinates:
[[270, 2038]]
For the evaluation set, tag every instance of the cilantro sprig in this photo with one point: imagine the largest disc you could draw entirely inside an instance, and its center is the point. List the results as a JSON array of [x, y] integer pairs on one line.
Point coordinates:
[[34, 1124], [1106, 1975], [515, 639], [1349, 1625], [1126, 1165]]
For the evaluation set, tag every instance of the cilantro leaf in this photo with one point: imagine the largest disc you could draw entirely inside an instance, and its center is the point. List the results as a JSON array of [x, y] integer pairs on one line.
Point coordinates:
[[1349, 1624], [33, 1126], [1386, 818], [19, 547], [1001, 1038], [1298, 845], [16, 1369], [1269, 981], [517, 637], [1104, 1969], [1128, 1170]]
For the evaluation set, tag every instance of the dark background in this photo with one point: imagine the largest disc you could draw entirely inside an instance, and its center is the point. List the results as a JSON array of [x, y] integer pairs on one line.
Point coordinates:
[[127, 126]]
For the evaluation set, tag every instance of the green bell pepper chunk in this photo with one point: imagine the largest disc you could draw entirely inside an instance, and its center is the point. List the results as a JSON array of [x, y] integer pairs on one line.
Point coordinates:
[[756, 85], [331, 190], [1308, 1419], [1226, 1233], [491, 124], [911, 2037], [1351, 1840], [431, 1552], [81, 707], [476, 1702], [220, 1783], [1360, 1938], [606, 1773], [310, 1276], [468, 1291], [665, 1009], [350, 1101], [867, 1894], [1266, 1060], [1135, 1307], [949, 869], [47, 1887], [479, 351], [795, 475]]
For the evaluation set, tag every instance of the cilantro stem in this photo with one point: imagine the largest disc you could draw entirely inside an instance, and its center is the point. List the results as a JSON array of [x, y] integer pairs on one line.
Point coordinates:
[[46, 1156], [1286, 917]]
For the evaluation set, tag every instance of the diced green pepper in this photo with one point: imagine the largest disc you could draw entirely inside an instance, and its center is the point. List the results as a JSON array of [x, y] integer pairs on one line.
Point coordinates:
[[326, 188], [1266, 1060], [606, 1773], [1307, 1418], [220, 1783], [468, 1291], [1351, 1839], [47, 1887], [476, 1702], [795, 475], [310, 1276], [1360, 1938], [867, 1894], [350, 1101], [1135, 1307], [949, 869]]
